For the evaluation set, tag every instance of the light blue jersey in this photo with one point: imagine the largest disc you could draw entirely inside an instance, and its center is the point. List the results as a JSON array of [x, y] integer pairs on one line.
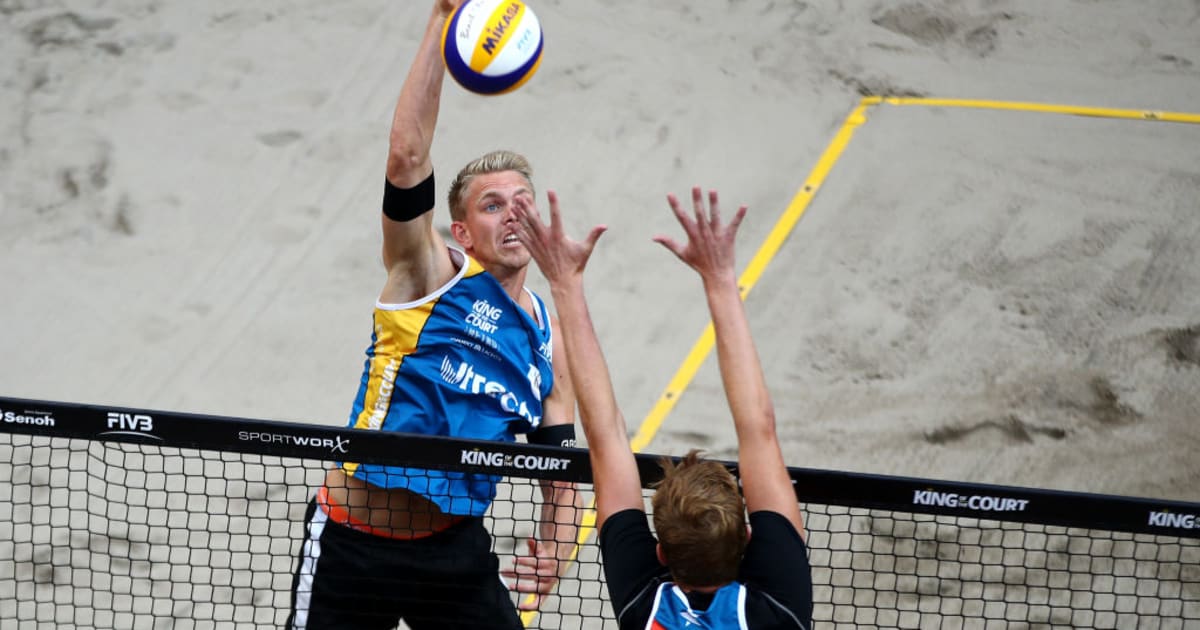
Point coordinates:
[[673, 612]]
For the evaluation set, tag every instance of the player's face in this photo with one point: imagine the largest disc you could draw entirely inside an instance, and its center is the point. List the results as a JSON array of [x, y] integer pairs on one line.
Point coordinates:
[[488, 228]]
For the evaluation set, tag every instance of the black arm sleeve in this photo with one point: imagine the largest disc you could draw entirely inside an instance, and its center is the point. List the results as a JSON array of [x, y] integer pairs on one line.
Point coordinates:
[[406, 204], [555, 435]]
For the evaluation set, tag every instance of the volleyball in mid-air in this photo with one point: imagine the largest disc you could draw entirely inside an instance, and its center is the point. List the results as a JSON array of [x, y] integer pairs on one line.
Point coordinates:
[[492, 46]]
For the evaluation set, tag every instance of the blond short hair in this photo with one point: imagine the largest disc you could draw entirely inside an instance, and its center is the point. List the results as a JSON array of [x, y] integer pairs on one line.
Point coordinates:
[[700, 520], [494, 162]]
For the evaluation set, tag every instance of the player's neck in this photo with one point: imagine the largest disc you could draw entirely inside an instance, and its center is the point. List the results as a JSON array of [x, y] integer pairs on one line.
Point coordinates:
[[700, 589], [513, 282]]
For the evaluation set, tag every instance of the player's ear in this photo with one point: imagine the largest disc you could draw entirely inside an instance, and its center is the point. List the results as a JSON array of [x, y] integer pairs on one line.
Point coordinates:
[[662, 558], [459, 231]]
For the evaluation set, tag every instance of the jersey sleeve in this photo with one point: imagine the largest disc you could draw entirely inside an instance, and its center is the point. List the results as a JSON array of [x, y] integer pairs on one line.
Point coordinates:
[[631, 566], [776, 563]]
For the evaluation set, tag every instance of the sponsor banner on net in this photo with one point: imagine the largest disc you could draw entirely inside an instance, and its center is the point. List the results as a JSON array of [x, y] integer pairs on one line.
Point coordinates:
[[494, 459], [130, 424], [335, 444], [1177, 520], [27, 417], [981, 503]]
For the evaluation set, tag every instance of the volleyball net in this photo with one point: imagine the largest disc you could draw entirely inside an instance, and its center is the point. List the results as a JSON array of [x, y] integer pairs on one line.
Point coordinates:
[[113, 517]]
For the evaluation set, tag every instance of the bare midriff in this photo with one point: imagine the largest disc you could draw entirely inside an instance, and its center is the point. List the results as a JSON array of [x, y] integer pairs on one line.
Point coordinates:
[[389, 512]]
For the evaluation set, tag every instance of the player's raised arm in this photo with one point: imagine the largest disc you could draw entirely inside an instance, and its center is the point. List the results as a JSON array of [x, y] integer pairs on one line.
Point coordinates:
[[537, 573], [562, 261], [710, 252], [413, 253]]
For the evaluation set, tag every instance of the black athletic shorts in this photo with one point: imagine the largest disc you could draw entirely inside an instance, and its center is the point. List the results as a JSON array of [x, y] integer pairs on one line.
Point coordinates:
[[350, 579]]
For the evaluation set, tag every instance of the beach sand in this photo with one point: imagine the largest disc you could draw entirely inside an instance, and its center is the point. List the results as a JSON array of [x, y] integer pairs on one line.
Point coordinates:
[[187, 219], [187, 216], [189, 194]]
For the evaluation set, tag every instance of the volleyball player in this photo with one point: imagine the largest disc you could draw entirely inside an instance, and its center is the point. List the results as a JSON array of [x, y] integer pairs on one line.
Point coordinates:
[[459, 348], [707, 568]]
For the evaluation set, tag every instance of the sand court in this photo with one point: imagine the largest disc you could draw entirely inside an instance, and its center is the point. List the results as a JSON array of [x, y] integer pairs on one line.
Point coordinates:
[[188, 222]]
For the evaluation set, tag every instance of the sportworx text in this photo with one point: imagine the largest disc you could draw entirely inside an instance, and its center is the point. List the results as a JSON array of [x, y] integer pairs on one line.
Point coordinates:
[[333, 444]]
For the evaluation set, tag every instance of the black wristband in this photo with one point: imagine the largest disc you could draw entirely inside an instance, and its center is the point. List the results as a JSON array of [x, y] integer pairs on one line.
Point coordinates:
[[406, 204], [554, 435]]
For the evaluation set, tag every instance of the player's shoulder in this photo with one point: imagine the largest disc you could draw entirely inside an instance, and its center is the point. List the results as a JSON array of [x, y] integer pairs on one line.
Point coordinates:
[[461, 258]]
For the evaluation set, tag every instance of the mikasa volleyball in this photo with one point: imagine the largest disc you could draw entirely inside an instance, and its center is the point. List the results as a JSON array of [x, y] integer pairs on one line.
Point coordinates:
[[492, 46]]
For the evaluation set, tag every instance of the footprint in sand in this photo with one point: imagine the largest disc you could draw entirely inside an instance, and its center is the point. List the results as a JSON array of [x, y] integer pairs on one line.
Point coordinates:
[[931, 26], [1183, 344]]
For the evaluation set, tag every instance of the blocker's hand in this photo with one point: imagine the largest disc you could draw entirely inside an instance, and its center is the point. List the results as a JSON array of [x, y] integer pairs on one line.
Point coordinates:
[[534, 575], [557, 255], [710, 241]]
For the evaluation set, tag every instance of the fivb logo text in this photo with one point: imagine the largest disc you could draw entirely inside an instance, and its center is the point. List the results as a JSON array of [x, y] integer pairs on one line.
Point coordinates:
[[1171, 519], [136, 422], [137, 425], [971, 502], [505, 460]]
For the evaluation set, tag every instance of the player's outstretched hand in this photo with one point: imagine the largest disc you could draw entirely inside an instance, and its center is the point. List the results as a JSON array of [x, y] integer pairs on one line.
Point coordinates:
[[534, 575], [710, 243], [560, 257]]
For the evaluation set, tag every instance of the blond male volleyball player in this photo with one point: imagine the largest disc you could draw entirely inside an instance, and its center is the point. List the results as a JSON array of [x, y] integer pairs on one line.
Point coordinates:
[[707, 569], [459, 348]]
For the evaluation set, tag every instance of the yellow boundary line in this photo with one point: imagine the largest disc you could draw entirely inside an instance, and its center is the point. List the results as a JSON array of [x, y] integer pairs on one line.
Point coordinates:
[[783, 227], [1044, 108]]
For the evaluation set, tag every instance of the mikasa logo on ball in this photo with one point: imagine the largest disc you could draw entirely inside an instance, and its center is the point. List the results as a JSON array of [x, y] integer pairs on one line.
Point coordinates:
[[492, 46], [494, 33]]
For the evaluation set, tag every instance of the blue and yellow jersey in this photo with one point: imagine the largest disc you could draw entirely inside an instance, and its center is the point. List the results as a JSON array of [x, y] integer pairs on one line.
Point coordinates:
[[466, 361]]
